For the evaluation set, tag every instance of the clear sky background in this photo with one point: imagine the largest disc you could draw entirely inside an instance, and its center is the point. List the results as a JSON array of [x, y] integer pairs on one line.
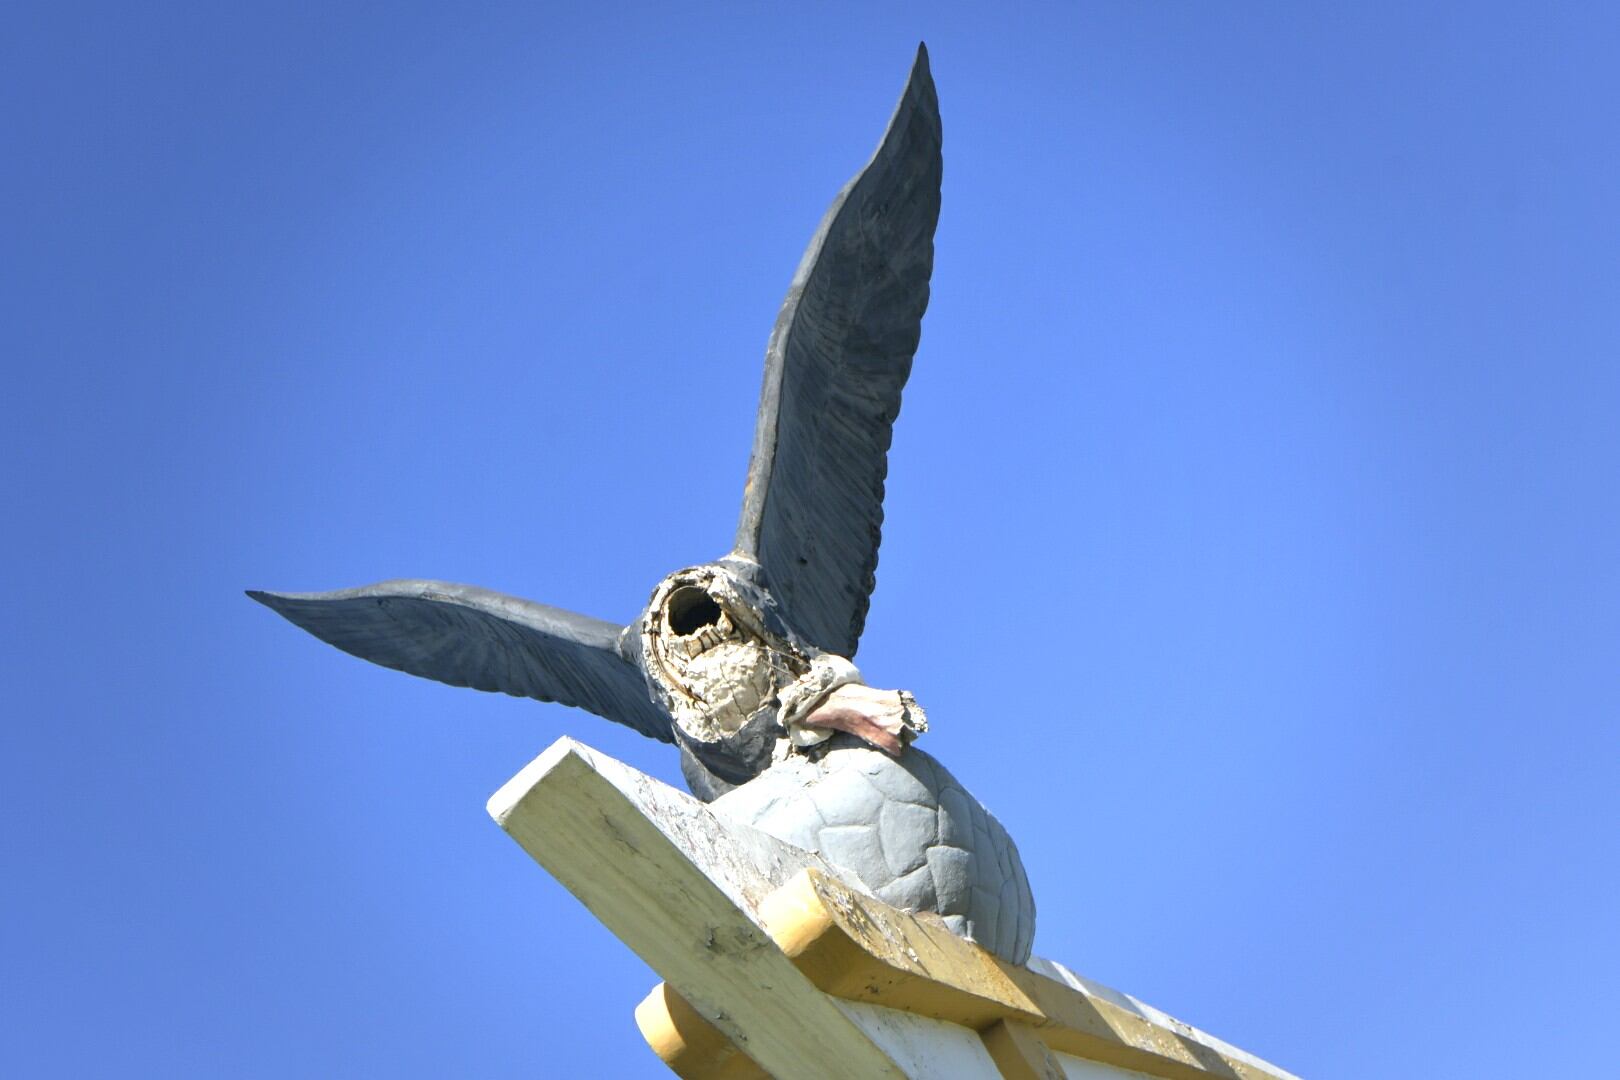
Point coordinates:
[[1252, 537]]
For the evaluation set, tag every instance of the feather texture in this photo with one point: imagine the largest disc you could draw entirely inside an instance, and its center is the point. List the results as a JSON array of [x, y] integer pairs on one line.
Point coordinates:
[[837, 361], [467, 636]]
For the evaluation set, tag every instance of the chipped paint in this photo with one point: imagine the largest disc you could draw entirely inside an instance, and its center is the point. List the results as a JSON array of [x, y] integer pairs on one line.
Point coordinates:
[[711, 655]]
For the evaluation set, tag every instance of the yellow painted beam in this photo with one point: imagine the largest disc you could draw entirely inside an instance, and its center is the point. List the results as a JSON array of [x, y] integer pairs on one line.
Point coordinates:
[[854, 947], [693, 1048]]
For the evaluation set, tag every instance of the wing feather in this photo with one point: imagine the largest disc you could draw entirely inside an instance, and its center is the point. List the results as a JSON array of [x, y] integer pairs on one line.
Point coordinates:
[[837, 361], [467, 636]]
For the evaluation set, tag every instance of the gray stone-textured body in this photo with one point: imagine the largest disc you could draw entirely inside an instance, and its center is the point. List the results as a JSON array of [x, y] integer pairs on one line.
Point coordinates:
[[904, 828]]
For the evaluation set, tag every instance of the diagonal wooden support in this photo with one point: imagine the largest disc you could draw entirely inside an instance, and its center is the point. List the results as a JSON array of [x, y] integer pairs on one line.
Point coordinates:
[[677, 886]]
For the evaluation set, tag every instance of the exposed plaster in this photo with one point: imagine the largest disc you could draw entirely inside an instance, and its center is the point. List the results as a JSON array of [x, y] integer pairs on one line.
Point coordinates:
[[710, 653]]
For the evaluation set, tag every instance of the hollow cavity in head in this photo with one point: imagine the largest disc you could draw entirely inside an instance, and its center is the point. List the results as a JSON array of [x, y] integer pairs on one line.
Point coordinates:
[[689, 609]]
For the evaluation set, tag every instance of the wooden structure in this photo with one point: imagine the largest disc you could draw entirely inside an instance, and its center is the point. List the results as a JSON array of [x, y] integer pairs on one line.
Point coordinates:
[[773, 967]]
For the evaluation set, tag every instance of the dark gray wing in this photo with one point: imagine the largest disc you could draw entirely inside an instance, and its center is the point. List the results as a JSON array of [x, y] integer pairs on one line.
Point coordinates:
[[837, 361], [467, 636]]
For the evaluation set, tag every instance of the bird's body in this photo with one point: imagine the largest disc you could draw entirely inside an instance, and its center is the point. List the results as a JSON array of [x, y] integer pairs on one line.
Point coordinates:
[[904, 829], [744, 662]]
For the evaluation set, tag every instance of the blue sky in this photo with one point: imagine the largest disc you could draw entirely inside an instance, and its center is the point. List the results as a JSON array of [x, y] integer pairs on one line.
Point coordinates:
[[1252, 522]]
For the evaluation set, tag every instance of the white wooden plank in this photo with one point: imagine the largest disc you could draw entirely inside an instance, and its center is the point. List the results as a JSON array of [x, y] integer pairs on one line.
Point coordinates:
[[927, 1049]]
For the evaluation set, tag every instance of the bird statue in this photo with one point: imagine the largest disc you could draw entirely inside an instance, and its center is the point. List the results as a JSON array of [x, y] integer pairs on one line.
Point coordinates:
[[745, 663]]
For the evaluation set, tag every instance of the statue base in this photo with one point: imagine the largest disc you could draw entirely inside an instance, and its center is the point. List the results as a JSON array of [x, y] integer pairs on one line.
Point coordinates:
[[773, 967]]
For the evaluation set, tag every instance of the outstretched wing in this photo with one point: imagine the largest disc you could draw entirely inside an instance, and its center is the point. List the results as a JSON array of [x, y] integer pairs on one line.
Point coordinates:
[[467, 636], [837, 361]]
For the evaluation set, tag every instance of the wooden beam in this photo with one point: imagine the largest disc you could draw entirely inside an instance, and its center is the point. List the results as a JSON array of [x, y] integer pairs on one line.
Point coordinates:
[[776, 967], [673, 883], [1019, 1053], [693, 1048], [861, 949], [858, 948]]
